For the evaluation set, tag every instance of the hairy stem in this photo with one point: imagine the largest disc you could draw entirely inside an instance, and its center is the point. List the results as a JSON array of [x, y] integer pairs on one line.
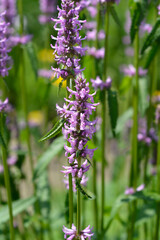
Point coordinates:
[[7, 184], [158, 185], [103, 134]]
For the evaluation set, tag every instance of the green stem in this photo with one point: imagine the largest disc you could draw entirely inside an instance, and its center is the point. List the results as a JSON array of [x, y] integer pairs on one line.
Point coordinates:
[[23, 88], [78, 211], [70, 201], [79, 204], [95, 201], [7, 184], [69, 84], [158, 185], [25, 108], [135, 116], [134, 163], [103, 134]]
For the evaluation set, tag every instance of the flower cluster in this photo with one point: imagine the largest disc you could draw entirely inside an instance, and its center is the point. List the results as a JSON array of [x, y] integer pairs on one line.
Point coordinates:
[[158, 9], [10, 7], [83, 182], [4, 58], [131, 71], [11, 161], [99, 84], [78, 129], [97, 53], [4, 105], [68, 46], [158, 114], [111, 1], [130, 191], [47, 7], [72, 233]]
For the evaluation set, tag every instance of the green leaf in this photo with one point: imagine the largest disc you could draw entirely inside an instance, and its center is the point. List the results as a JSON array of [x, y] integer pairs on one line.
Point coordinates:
[[152, 53], [145, 213], [2, 142], [84, 191], [125, 85], [54, 131], [113, 109], [18, 207], [115, 16], [143, 94], [55, 148], [136, 20], [123, 119], [33, 58], [43, 197], [152, 36]]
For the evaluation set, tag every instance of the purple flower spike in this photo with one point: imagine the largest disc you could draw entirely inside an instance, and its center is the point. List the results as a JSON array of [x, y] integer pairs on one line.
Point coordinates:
[[4, 58], [68, 46], [10, 7], [78, 128], [70, 234]]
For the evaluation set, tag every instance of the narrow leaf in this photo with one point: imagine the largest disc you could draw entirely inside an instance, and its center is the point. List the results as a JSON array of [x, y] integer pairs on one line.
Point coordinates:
[[33, 58], [55, 148], [151, 55], [84, 191], [115, 16], [149, 40], [123, 119], [54, 131], [136, 20], [2, 142], [18, 207], [113, 109]]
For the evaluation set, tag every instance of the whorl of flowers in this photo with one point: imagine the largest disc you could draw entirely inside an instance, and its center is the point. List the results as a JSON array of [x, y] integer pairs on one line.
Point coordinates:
[[78, 129], [4, 105], [158, 9], [10, 7], [158, 114], [68, 46], [47, 8], [111, 1], [4, 58], [99, 84], [72, 233]]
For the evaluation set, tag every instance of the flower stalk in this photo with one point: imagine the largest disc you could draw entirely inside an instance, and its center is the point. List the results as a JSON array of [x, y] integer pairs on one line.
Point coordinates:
[[158, 184], [103, 133], [7, 182], [23, 89]]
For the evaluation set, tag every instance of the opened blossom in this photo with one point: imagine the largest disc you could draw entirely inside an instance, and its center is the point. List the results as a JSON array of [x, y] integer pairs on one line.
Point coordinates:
[[83, 182], [131, 71], [99, 84], [72, 233]]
